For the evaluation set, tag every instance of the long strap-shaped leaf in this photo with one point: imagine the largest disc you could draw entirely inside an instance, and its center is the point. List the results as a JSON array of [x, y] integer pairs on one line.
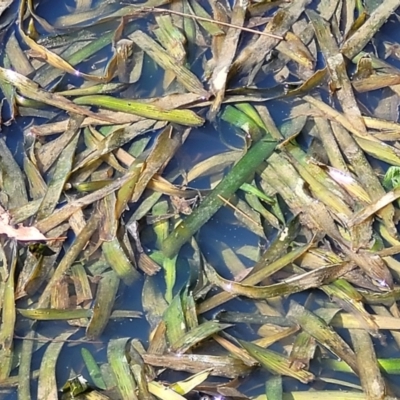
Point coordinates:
[[223, 191], [183, 117]]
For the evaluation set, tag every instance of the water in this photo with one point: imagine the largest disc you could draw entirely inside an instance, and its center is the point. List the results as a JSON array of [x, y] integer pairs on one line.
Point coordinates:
[[221, 237]]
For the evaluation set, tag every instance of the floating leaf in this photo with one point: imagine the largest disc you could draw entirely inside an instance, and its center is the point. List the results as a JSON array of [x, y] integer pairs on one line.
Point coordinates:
[[21, 233]]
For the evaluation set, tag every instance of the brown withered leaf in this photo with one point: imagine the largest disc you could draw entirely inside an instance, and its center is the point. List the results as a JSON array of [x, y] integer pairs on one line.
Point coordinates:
[[220, 74], [294, 284], [374, 207]]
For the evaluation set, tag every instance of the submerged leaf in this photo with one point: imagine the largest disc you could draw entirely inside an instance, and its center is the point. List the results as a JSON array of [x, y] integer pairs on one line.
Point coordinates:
[[210, 205], [323, 333], [183, 117], [31, 90], [116, 355], [275, 362], [292, 285]]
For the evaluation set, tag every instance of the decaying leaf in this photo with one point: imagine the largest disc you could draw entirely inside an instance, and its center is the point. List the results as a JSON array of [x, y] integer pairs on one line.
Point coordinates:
[[21, 233]]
